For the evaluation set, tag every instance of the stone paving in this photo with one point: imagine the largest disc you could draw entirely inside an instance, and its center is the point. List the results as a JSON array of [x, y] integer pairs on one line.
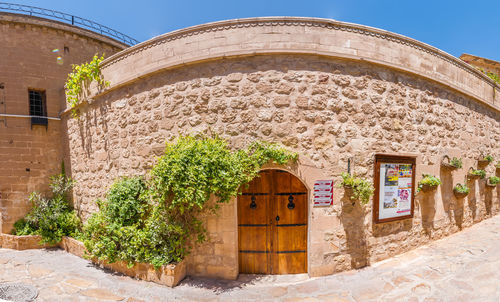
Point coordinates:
[[462, 267]]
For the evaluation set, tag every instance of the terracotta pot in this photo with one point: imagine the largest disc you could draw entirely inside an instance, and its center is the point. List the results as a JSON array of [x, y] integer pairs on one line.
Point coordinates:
[[490, 184], [448, 166], [473, 176], [459, 194], [428, 188], [482, 162]]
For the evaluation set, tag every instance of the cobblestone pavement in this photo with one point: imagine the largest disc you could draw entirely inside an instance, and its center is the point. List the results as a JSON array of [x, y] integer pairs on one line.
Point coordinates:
[[462, 267]]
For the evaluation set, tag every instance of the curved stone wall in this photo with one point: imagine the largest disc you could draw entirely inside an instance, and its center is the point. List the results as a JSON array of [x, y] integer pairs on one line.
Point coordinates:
[[30, 154], [272, 35], [328, 108]]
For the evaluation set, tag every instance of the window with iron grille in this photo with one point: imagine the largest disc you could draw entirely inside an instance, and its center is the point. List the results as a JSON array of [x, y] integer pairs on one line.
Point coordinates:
[[38, 108]]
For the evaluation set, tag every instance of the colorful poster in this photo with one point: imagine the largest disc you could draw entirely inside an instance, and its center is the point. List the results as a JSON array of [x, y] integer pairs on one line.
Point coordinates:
[[391, 175], [395, 190]]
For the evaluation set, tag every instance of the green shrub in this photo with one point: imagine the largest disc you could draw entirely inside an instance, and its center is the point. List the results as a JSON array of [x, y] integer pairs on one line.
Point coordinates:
[[498, 165], [428, 180], [156, 222], [51, 217], [112, 233], [361, 189]]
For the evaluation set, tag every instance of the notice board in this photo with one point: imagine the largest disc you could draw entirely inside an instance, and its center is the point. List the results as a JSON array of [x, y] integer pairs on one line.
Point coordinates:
[[394, 188], [323, 193]]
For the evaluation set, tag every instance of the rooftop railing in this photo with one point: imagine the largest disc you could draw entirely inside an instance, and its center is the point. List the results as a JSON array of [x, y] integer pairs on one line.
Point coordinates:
[[67, 18]]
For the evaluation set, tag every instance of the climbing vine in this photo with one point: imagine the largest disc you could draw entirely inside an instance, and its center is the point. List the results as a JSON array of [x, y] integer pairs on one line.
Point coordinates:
[[155, 221], [80, 78]]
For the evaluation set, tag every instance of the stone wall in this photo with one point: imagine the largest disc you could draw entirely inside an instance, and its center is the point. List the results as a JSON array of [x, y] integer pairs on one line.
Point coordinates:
[[328, 110], [29, 155]]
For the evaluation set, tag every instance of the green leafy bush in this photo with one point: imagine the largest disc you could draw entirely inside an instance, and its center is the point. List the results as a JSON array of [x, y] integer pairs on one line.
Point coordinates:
[[361, 189], [494, 180], [80, 78], [51, 217], [428, 180], [461, 188], [498, 165], [479, 172], [156, 221], [119, 230], [456, 162]]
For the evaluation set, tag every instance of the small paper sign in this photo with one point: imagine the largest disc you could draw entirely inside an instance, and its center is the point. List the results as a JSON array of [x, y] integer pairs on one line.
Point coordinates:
[[323, 193]]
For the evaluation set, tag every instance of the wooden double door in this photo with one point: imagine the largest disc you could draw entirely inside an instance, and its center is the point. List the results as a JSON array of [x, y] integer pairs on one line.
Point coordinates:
[[272, 225]]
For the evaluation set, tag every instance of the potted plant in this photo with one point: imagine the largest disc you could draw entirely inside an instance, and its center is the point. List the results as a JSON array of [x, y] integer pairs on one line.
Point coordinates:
[[428, 183], [452, 164], [493, 181], [476, 174], [498, 165], [460, 190], [361, 189], [485, 160]]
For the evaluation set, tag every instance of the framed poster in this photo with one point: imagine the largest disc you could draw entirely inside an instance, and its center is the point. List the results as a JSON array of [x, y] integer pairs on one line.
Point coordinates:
[[394, 188]]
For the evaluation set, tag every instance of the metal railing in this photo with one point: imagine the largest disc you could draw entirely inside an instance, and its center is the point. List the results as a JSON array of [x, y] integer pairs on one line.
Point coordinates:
[[73, 20]]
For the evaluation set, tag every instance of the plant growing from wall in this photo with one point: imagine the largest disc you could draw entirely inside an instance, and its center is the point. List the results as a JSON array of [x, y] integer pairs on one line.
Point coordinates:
[[53, 217], [80, 78], [156, 221], [428, 183], [362, 189]]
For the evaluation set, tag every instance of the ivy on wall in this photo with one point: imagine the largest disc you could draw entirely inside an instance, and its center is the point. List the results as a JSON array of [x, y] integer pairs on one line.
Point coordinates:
[[156, 220], [80, 78]]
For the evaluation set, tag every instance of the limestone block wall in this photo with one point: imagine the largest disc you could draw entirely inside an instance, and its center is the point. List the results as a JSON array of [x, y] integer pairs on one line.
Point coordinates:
[[328, 110], [29, 155]]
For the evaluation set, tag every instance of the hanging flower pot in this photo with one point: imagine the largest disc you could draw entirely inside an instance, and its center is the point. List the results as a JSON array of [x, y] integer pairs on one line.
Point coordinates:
[[474, 174], [493, 181], [485, 160], [451, 164], [428, 183], [461, 191]]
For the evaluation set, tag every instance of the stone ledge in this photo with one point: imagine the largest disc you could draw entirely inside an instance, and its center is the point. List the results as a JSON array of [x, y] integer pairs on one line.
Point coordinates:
[[169, 275], [23, 242]]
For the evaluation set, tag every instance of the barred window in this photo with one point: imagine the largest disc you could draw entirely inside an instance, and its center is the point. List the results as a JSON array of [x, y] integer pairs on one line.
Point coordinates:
[[37, 103], [38, 108]]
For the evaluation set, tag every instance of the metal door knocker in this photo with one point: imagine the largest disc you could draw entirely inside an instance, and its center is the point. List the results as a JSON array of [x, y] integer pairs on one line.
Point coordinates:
[[253, 205], [290, 205]]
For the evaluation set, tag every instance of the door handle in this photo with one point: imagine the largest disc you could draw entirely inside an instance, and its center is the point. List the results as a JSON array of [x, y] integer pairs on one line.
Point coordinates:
[[277, 218]]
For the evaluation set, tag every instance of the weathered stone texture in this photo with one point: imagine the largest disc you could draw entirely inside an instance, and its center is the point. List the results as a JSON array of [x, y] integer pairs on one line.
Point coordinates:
[[328, 111]]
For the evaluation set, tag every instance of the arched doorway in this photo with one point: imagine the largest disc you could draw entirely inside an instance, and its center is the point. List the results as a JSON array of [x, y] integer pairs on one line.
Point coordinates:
[[272, 225]]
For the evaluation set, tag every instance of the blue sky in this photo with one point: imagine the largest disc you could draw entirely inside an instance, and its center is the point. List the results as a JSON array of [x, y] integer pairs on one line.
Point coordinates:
[[454, 26]]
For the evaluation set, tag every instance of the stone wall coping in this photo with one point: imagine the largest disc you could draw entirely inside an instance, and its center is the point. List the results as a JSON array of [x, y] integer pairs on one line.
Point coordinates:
[[293, 21], [58, 25]]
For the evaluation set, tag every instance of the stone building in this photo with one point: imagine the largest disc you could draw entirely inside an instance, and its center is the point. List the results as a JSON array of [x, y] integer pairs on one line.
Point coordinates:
[[35, 58], [345, 97]]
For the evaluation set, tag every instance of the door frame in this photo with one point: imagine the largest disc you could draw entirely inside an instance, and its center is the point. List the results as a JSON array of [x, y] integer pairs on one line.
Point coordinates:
[[308, 209]]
